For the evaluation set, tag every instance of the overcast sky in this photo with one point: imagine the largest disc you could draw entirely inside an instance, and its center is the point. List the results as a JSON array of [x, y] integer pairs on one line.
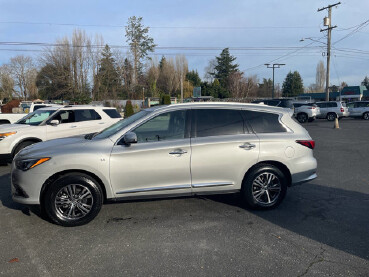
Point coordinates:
[[263, 31]]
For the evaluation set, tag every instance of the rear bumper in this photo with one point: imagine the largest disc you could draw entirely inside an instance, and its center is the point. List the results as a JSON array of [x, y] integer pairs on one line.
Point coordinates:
[[305, 171], [5, 158]]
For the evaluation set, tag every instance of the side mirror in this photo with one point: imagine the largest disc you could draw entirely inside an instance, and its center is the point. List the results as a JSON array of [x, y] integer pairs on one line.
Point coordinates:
[[129, 138], [54, 122]]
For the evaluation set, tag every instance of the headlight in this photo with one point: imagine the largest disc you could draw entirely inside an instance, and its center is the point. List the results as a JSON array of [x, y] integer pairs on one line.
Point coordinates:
[[24, 165], [4, 135]]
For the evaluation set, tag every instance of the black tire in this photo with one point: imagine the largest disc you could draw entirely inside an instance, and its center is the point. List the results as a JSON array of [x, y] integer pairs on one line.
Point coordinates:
[[331, 116], [250, 188], [70, 208], [302, 117], [366, 116], [22, 145]]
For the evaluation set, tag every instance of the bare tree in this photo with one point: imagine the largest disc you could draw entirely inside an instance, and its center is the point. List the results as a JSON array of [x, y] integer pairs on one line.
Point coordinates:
[[153, 76], [181, 70], [210, 71], [6, 83], [20, 67], [320, 77]]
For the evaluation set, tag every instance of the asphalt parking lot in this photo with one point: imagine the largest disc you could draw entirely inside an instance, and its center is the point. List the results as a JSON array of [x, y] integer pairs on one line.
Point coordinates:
[[322, 227]]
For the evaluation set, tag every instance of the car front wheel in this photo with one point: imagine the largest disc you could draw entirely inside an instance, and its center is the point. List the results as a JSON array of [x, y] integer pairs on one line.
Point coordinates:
[[73, 199], [264, 187], [366, 116]]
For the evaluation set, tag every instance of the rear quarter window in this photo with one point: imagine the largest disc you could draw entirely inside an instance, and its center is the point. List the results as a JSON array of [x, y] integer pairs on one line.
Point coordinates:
[[112, 113], [263, 122]]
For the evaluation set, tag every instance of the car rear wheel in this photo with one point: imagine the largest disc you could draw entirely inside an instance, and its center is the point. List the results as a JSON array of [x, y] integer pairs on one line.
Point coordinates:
[[302, 117], [73, 200], [264, 187], [366, 116], [331, 116]]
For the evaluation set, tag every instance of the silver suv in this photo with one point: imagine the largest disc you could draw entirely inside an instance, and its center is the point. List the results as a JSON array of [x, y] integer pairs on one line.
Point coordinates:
[[359, 109], [332, 109], [176, 150]]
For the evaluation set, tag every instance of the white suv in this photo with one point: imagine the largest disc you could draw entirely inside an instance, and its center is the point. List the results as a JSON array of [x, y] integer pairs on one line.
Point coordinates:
[[183, 149], [306, 112], [51, 123]]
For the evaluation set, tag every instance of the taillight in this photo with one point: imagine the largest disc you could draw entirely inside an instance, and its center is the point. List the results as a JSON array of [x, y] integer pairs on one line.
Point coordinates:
[[308, 143], [342, 110]]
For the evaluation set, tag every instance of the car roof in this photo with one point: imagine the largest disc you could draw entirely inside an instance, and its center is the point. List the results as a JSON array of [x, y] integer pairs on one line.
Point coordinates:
[[74, 107], [220, 105]]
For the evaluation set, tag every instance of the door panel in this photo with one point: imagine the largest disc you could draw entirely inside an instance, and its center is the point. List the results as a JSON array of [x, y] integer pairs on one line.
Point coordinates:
[[220, 162], [151, 168], [159, 163]]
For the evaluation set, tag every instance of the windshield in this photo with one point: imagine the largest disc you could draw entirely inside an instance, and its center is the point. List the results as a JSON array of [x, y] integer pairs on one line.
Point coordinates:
[[36, 117], [121, 125]]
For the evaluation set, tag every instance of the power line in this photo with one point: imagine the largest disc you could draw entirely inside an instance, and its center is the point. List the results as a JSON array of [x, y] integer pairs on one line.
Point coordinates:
[[360, 26], [156, 27]]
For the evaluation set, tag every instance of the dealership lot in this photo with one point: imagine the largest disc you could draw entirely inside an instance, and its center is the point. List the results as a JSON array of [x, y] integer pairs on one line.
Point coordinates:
[[321, 228]]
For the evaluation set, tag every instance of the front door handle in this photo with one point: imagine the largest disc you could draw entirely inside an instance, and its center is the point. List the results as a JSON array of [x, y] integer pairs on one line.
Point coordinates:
[[247, 146], [178, 152], [74, 126]]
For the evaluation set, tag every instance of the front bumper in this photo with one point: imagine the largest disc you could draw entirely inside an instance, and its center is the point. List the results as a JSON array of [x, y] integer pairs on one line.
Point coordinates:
[[26, 186]]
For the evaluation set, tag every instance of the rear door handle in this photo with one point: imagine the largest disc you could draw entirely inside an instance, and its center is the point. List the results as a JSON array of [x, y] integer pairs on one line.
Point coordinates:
[[247, 146], [178, 152], [73, 126]]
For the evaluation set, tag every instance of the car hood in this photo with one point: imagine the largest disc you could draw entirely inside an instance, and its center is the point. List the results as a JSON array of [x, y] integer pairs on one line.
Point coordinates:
[[51, 147], [14, 127]]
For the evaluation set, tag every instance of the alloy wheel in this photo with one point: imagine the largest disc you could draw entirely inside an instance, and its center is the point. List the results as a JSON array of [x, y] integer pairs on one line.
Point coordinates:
[[73, 201], [266, 188]]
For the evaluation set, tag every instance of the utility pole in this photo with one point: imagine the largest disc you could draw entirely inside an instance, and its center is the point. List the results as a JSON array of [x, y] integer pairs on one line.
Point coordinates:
[[328, 22], [274, 65]]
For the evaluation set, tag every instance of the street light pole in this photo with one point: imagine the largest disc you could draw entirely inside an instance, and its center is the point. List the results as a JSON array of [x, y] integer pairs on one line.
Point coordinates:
[[274, 65]]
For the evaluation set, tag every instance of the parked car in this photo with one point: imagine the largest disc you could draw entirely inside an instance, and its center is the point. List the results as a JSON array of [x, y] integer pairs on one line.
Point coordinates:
[[10, 118], [306, 112], [166, 151], [332, 109], [276, 102], [359, 109], [51, 123]]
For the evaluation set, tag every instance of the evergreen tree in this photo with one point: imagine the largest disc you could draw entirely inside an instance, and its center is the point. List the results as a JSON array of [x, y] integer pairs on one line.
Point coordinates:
[[365, 82], [194, 78], [107, 81], [224, 67], [140, 43], [292, 85], [129, 109]]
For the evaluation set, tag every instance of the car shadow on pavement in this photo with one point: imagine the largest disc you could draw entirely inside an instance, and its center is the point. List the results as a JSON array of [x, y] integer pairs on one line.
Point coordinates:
[[335, 217]]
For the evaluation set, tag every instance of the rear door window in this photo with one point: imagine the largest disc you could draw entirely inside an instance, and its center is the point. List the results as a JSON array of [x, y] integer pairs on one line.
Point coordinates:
[[112, 113], [86, 115], [217, 122], [263, 122]]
